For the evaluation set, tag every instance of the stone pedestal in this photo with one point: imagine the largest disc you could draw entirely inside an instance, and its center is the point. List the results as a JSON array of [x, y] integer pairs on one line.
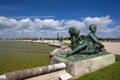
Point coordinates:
[[81, 67]]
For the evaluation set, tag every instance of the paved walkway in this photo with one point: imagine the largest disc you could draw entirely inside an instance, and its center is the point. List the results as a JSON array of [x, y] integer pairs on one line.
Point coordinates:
[[113, 47]]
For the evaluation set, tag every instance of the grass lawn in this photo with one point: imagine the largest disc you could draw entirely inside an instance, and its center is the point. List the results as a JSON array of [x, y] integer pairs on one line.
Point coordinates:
[[111, 72], [18, 55]]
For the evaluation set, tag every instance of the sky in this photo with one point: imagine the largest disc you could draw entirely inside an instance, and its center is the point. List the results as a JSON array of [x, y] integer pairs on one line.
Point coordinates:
[[44, 18]]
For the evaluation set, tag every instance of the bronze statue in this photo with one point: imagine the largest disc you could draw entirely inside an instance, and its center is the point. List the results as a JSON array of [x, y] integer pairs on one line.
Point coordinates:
[[91, 45], [75, 39]]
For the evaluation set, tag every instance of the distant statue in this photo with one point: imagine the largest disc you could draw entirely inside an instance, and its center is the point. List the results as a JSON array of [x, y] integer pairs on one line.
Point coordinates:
[[75, 39], [91, 45]]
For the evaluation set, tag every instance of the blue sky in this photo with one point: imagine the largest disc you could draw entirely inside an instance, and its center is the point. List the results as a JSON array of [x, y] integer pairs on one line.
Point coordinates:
[[44, 18]]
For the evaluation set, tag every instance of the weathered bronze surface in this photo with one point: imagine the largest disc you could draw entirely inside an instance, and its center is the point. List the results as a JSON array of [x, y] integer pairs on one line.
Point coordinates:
[[77, 57], [75, 39], [90, 47]]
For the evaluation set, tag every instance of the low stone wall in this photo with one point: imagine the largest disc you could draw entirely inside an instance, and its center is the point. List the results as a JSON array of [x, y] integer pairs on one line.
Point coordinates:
[[55, 43], [24, 74], [58, 44], [58, 51]]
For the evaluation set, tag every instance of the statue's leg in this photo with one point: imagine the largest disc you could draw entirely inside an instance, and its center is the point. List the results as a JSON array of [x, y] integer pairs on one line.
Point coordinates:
[[79, 48], [90, 49], [87, 52], [103, 50]]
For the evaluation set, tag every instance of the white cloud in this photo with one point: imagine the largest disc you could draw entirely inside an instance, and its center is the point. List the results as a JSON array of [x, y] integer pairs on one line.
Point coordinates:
[[102, 22], [7, 23], [75, 23], [78, 24], [98, 20], [46, 24], [25, 24], [28, 27]]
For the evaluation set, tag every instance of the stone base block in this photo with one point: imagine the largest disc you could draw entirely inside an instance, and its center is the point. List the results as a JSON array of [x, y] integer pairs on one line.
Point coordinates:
[[81, 67]]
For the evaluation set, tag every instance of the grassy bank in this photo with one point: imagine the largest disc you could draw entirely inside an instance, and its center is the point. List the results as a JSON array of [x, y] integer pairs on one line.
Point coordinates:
[[111, 72], [17, 55]]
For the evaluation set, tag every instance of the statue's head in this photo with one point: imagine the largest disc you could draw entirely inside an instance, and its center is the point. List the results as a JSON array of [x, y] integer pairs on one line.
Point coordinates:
[[93, 28], [71, 30], [74, 31]]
